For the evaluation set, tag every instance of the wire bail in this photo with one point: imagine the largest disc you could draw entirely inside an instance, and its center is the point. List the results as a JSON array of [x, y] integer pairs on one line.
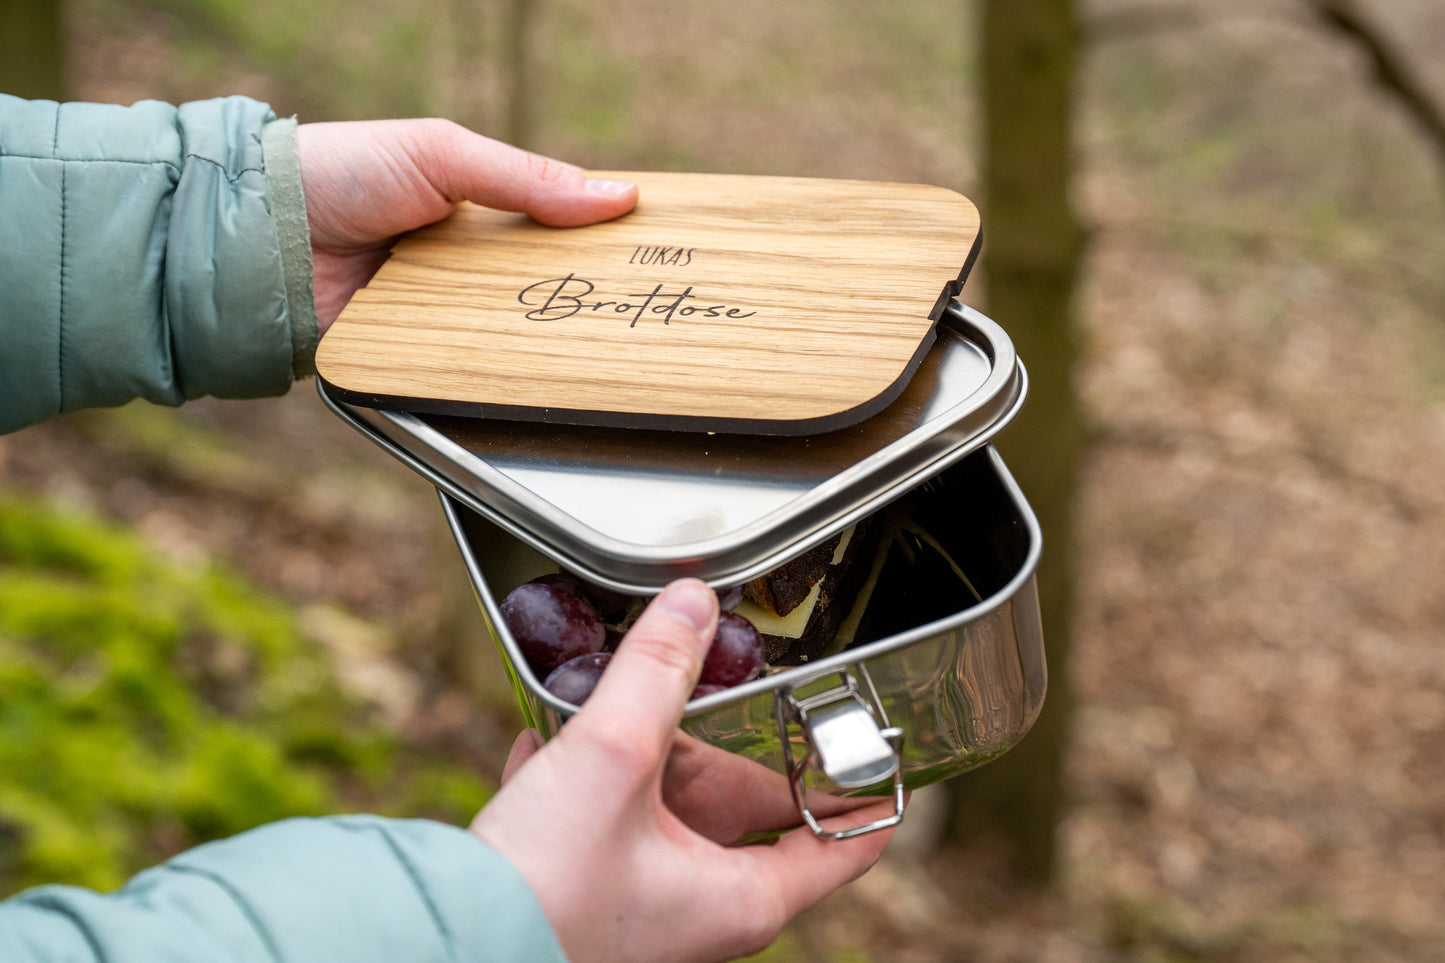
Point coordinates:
[[846, 742]]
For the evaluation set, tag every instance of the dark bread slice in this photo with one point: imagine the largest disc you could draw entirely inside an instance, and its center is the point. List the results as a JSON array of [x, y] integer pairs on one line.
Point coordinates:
[[782, 591], [840, 587], [911, 581]]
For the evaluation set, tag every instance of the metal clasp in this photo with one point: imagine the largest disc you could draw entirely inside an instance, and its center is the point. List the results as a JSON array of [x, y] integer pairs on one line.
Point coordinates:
[[844, 739]]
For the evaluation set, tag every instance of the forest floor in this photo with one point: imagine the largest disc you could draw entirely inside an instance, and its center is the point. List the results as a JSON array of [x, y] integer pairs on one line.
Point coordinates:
[[1257, 769]]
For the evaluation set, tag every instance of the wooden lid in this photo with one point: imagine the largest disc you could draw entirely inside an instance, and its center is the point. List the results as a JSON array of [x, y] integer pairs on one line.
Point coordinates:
[[722, 303]]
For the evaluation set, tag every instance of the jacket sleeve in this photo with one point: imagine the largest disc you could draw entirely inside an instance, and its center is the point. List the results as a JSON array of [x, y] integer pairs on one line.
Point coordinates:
[[148, 251], [353, 888]]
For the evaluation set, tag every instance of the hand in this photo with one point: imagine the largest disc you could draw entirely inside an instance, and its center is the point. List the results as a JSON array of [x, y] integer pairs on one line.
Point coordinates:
[[366, 182], [626, 843]]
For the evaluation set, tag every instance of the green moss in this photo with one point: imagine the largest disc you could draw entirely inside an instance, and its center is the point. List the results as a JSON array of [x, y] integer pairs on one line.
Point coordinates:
[[146, 707], [784, 948], [444, 793]]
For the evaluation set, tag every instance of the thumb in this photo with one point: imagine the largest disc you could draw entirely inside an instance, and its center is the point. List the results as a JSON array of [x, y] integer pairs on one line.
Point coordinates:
[[471, 167], [655, 668], [525, 747]]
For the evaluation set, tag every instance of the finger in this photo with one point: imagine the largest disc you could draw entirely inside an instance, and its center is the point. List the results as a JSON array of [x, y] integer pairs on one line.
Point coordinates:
[[801, 868], [525, 747], [726, 797], [488, 172], [654, 670]]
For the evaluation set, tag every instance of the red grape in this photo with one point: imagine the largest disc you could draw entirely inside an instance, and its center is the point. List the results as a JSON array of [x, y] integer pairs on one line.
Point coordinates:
[[551, 625], [574, 680], [556, 622], [609, 603], [728, 598], [707, 689], [736, 654], [565, 581], [612, 605]]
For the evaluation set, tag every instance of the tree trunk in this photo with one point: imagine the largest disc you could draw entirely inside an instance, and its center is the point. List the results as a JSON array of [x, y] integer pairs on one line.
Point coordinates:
[[517, 56], [1032, 246], [32, 47]]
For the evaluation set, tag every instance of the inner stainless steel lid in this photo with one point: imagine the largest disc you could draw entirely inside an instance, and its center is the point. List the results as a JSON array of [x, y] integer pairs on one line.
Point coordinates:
[[634, 509]]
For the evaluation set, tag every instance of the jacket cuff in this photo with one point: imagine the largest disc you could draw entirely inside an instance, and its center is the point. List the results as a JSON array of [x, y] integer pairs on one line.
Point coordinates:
[[288, 209]]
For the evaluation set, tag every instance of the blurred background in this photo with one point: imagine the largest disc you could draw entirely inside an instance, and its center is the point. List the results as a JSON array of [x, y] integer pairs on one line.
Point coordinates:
[[1215, 232]]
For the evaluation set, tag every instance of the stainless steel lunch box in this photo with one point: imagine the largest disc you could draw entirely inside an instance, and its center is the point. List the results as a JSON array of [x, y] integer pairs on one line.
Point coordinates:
[[956, 674]]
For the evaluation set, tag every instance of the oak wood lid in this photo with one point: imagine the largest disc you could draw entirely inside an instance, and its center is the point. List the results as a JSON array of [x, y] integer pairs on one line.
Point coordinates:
[[768, 305]]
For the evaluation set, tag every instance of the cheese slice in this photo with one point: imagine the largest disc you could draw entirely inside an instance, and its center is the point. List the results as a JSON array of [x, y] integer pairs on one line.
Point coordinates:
[[795, 623], [790, 626], [849, 629]]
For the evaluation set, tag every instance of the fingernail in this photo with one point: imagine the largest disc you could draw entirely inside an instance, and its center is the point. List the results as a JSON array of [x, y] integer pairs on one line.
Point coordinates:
[[691, 601], [609, 188]]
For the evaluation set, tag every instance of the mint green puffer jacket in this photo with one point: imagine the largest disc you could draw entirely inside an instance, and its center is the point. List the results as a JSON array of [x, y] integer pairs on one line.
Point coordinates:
[[148, 251], [355, 889], [161, 252]]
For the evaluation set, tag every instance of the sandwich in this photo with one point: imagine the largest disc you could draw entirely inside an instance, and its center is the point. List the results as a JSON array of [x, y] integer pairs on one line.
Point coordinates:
[[799, 607], [880, 577]]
